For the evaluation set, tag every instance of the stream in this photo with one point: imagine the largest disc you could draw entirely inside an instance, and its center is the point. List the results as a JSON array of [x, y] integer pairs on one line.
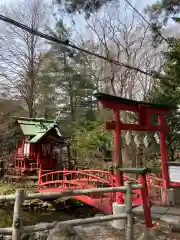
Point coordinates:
[[31, 217]]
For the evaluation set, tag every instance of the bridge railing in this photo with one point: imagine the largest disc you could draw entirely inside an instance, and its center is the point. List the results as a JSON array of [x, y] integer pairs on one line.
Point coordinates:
[[23, 164], [18, 228], [93, 177], [156, 190], [89, 176]]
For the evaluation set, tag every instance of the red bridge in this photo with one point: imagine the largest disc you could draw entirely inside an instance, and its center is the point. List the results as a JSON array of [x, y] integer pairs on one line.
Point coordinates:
[[83, 179]]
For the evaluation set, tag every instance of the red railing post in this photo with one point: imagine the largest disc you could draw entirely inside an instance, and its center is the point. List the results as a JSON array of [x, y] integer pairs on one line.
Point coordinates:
[[148, 184], [164, 155], [22, 149], [145, 201], [16, 153], [164, 192], [64, 176], [40, 178]]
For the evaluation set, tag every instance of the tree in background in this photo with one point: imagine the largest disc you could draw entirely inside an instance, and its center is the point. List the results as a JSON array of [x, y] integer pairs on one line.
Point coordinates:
[[21, 59], [73, 86], [21, 52], [46, 99], [86, 6], [123, 37], [167, 91], [163, 10], [160, 13]]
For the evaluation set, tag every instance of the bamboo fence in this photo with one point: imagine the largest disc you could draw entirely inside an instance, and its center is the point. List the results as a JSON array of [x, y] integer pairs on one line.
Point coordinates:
[[18, 229]]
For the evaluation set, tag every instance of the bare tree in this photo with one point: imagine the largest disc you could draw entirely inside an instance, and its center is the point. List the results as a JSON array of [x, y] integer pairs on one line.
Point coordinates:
[[20, 51], [120, 34], [125, 37]]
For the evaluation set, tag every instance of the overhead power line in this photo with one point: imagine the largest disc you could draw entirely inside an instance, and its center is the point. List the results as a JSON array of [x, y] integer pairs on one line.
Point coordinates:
[[66, 43]]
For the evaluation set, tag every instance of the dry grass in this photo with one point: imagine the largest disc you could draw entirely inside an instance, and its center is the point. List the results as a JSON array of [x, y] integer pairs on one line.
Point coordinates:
[[10, 188]]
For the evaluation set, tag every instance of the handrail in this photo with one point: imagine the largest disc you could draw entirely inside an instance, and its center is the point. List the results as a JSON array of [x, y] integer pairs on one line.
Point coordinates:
[[65, 181], [75, 171], [68, 193], [106, 173], [17, 229], [66, 174], [135, 170]]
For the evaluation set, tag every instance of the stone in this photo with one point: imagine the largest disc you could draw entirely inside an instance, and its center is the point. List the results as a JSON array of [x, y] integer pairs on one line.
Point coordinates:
[[26, 202], [45, 205], [170, 219], [64, 232], [36, 235]]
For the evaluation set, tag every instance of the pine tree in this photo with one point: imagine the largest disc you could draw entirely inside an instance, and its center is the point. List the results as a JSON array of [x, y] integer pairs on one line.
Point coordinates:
[[46, 105], [85, 6], [168, 92], [72, 85]]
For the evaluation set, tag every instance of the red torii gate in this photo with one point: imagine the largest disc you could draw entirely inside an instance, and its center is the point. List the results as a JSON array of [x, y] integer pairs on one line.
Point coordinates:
[[145, 112]]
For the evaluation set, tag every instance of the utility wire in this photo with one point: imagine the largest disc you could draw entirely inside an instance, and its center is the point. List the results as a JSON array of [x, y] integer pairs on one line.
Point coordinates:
[[151, 26], [66, 43]]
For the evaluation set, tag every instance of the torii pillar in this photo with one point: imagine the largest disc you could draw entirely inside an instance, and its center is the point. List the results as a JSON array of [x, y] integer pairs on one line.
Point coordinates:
[[145, 112]]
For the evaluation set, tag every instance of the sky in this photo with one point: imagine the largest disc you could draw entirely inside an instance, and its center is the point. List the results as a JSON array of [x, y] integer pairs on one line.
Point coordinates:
[[80, 26], [143, 2], [139, 4], [80, 23]]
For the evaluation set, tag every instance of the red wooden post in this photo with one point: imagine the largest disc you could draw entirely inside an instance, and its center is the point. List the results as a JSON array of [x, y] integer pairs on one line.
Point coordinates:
[[16, 153], [118, 156], [22, 145], [39, 178], [164, 155], [145, 201], [148, 184], [30, 151], [64, 177]]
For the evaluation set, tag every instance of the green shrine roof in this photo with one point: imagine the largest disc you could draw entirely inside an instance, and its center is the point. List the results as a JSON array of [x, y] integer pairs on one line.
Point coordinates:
[[37, 127]]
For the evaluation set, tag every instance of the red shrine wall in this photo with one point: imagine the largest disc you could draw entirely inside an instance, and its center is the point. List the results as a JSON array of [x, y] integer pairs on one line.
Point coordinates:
[[45, 156]]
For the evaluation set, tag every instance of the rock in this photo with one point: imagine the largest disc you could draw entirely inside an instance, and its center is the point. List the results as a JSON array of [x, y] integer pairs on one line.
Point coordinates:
[[36, 202], [45, 204], [39, 236], [99, 215], [64, 232], [36, 235], [26, 203], [36, 208]]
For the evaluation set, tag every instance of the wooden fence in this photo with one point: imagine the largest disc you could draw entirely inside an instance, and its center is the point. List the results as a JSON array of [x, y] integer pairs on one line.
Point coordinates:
[[17, 228]]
